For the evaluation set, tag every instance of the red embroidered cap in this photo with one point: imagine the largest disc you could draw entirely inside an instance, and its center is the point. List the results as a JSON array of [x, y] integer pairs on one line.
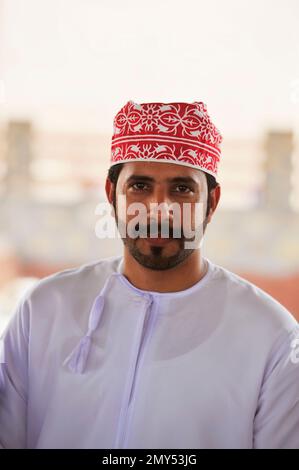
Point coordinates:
[[180, 133]]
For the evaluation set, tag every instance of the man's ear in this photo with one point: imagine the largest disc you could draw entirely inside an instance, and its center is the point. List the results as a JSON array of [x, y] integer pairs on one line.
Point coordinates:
[[214, 199], [109, 188]]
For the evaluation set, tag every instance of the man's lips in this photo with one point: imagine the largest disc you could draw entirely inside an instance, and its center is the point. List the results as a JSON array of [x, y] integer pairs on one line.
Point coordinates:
[[159, 241]]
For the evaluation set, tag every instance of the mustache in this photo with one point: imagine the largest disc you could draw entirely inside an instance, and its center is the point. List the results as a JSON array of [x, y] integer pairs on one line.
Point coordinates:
[[159, 230], [155, 229]]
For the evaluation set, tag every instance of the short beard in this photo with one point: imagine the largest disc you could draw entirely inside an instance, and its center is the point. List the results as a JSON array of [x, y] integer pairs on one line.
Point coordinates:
[[155, 260]]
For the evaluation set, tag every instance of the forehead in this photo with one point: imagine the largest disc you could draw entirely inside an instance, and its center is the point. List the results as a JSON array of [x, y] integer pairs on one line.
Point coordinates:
[[160, 171]]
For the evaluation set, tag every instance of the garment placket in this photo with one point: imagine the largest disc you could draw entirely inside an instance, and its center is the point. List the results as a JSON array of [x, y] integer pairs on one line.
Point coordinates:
[[141, 340]]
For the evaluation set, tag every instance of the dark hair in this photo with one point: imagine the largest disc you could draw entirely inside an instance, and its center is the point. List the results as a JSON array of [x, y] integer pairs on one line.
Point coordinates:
[[114, 171]]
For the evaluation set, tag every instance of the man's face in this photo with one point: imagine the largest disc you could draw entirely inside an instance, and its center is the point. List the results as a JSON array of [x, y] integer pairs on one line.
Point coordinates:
[[154, 183]]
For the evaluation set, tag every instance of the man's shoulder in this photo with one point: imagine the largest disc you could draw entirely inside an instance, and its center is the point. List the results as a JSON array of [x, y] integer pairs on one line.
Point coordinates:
[[245, 301], [79, 277]]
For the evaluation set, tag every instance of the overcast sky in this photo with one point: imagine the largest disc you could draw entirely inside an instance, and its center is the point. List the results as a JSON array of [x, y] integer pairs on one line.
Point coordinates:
[[71, 64]]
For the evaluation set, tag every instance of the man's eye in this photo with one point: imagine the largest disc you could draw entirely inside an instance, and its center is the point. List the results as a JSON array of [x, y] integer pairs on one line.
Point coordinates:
[[181, 188], [139, 186]]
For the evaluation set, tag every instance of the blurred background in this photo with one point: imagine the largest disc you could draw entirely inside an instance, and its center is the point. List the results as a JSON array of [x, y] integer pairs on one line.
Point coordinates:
[[67, 67]]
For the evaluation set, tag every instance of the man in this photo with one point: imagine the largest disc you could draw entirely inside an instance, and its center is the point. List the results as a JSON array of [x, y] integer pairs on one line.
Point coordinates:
[[160, 347]]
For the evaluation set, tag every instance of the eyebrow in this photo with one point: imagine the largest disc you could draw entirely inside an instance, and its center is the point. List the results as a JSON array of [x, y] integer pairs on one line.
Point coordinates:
[[149, 179]]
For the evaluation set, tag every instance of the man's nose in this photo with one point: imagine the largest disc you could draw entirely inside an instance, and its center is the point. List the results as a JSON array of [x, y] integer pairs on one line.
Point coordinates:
[[159, 205]]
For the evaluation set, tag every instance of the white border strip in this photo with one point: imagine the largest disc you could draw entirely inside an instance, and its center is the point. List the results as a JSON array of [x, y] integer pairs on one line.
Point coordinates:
[[158, 138], [175, 162]]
